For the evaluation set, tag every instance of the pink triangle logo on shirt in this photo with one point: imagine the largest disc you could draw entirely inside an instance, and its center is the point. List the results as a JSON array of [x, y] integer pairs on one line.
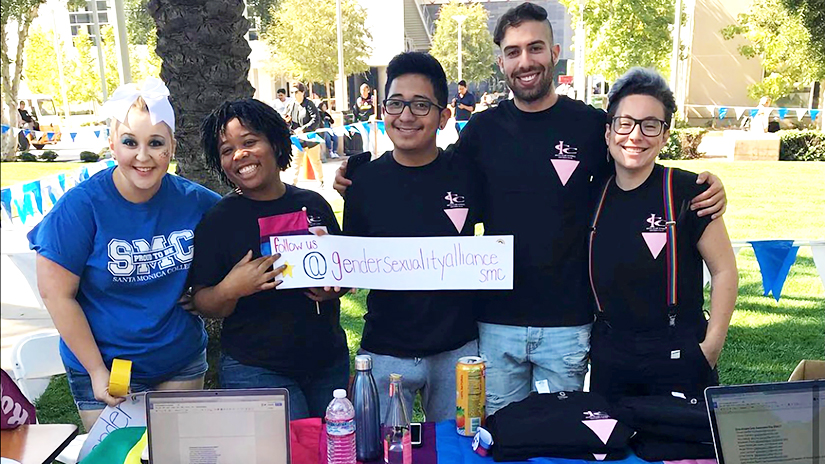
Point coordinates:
[[599, 457], [603, 428], [655, 242], [564, 169], [458, 216]]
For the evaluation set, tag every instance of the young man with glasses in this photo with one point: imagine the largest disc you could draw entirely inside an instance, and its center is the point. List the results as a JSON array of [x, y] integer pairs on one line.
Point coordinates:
[[416, 190]]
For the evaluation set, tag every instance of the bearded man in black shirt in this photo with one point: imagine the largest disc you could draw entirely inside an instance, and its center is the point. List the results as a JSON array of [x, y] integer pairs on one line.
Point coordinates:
[[541, 159]]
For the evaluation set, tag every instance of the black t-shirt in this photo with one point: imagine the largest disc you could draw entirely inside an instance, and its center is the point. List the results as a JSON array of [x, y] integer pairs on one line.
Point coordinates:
[[387, 199], [540, 172], [460, 113], [629, 254], [274, 329], [363, 109]]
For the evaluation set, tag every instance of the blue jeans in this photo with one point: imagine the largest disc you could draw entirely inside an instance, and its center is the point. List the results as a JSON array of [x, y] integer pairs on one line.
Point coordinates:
[[331, 141], [433, 376], [518, 357], [309, 394], [80, 383]]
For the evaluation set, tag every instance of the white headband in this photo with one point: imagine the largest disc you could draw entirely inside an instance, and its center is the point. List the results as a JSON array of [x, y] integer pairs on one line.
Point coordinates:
[[154, 93]]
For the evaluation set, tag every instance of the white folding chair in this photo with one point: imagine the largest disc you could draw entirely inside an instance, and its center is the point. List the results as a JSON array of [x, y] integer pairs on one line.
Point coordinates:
[[36, 358]]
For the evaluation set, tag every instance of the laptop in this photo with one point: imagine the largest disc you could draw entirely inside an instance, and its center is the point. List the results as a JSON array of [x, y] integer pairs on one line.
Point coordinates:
[[218, 426], [773, 423]]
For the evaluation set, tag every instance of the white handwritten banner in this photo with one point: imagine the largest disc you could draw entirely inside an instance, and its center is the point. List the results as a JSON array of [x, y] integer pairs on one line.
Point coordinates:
[[426, 263]]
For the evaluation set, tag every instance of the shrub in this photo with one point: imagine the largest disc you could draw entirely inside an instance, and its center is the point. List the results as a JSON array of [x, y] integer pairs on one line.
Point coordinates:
[[801, 145], [105, 153], [48, 155], [26, 156], [89, 156], [683, 144]]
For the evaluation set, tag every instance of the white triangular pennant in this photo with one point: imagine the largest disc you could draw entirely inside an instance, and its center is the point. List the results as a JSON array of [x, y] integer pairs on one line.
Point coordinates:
[[739, 110], [800, 112], [711, 109]]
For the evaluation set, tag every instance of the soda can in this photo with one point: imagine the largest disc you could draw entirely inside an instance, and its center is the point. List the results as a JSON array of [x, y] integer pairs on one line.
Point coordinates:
[[470, 393]]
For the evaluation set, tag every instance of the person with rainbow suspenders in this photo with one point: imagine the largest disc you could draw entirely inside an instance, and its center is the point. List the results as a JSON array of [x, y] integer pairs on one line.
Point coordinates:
[[646, 249]]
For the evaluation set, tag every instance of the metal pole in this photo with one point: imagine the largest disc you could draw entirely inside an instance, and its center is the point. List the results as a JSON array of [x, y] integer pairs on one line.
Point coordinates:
[[460, 19], [100, 61], [674, 58], [579, 80], [124, 67], [59, 54], [341, 103]]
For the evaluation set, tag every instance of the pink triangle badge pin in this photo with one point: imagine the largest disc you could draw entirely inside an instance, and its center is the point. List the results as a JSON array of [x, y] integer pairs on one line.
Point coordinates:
[[458, 216], [655, 241], [564, 169], [603, 428]]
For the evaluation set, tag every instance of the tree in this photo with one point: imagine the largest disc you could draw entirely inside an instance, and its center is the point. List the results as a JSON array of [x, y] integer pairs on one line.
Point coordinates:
[[625, 33], [40, 65], [780, 40], [83, 71], [205, 63], [20, 14], [812, 13], [307, 44], [476, 42]]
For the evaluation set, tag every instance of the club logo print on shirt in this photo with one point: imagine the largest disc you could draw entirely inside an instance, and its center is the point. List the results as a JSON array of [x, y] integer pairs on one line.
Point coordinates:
[[656, 234], [138, 260], [565, 161], [456, 210]]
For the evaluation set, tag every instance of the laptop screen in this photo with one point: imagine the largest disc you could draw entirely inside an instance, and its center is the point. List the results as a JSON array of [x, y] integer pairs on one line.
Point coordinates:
[[218, 426], [779, 423]]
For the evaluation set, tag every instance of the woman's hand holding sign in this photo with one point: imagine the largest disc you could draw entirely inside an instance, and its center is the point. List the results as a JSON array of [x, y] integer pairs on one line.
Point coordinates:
[[247, 277]]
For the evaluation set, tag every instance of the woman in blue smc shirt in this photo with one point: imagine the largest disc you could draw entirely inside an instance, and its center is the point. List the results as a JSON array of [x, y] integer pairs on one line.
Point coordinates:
[[112, 260]]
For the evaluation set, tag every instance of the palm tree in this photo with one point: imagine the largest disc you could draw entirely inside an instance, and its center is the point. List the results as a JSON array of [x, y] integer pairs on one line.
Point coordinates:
[[205, 62]]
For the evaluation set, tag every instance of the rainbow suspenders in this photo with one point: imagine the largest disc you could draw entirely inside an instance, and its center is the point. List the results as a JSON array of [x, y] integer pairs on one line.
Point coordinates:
[[671, 262]]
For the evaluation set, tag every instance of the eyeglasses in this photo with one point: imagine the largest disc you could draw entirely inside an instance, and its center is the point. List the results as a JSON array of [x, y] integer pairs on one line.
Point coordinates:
[[651, 127], [417, 107]]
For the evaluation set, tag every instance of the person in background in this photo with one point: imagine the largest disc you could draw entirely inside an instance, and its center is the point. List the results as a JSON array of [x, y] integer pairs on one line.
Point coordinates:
[[29, 121], [330, 138], [270, 338], [303, 119], [760, 122], [112, 259], [364, 107], [283, 105], [464, 103], [651, 336]]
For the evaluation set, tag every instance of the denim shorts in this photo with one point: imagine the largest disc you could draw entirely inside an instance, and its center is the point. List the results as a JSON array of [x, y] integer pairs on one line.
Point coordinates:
[[80, 383]]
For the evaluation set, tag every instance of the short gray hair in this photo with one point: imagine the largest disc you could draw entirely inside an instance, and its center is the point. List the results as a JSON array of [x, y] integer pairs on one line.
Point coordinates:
[[641, 81]]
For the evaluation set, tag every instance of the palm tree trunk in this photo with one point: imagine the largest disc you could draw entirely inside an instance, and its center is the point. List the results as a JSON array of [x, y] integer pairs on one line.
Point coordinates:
[[205, 62]]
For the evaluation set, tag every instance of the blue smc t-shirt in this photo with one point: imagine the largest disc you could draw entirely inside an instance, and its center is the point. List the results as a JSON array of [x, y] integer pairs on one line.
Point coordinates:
[[132, 260]]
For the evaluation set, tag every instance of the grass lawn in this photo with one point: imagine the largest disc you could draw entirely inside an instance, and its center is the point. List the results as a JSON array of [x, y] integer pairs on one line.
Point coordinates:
[[766, 339], [14, 172]]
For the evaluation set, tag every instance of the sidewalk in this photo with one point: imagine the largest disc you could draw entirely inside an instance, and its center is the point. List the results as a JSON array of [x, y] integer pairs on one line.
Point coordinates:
[[21, 312]]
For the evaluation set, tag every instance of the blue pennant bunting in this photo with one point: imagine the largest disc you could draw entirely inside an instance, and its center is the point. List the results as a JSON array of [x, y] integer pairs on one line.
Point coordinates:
[[97, 134], [5, 129], [72, 135], [83, 175], [297, 142], [50, 136], [366, 127], [814, 114], [107, 132], [380, 125], [782, 112], [27, 209], [26, 132], [753, 112], [775, 258], [461, 125], [722, 112], [5, 198], [61, 179]]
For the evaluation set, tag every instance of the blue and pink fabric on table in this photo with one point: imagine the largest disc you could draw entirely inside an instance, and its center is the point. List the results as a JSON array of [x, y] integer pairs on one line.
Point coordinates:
[[440, 445]]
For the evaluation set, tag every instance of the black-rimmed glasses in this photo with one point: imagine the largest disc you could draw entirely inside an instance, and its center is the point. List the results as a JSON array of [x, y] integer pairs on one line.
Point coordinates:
[[651, 127], [417, 107]]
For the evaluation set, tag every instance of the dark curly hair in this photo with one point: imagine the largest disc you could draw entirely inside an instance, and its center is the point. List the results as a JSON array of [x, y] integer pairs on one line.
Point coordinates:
[[254, 115], [641, 81]]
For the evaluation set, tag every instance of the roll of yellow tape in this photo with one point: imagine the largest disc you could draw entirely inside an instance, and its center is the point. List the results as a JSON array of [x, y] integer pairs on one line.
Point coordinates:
[[120, 377]]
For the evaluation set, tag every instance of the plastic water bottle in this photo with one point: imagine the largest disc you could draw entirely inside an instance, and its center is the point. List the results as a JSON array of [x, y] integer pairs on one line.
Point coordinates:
[[396, 427], [364, 397], [340, 421]]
